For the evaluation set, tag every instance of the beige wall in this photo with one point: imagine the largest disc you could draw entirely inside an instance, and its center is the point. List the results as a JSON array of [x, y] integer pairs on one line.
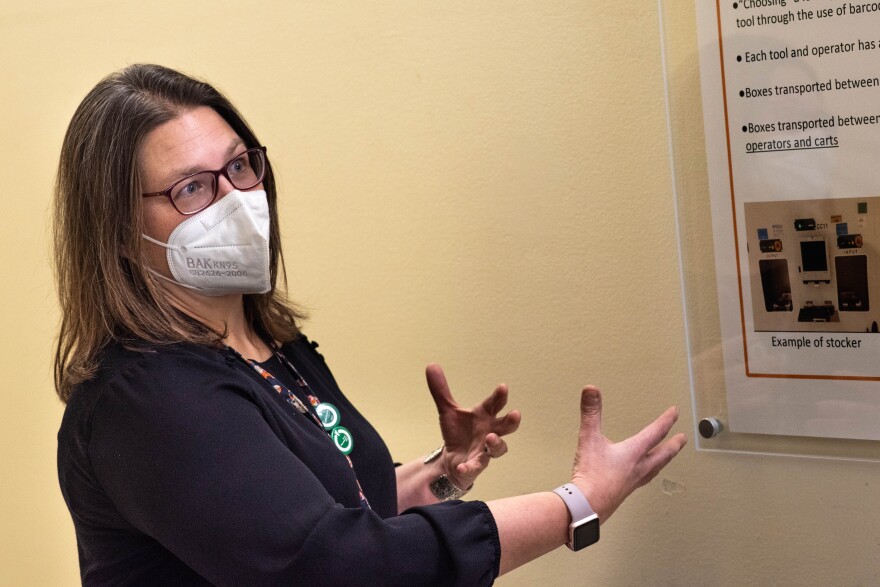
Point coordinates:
[[482, 184]]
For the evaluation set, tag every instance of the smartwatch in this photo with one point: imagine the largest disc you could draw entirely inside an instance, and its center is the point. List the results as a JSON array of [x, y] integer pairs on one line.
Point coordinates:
[[584, 528]]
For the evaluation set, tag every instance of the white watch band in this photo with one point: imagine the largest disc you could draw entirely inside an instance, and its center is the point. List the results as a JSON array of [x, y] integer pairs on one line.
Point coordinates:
[[575, 501]]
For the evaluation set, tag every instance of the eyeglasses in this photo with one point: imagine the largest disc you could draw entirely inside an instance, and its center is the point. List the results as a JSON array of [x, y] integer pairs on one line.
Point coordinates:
[[196, 192]]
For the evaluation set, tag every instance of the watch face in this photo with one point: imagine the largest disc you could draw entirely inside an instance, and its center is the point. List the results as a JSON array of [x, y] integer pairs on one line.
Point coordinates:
[[585, 532]]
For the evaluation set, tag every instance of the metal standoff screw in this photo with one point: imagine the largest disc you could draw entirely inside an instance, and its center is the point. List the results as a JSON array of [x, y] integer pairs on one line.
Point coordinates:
[[709, 427]]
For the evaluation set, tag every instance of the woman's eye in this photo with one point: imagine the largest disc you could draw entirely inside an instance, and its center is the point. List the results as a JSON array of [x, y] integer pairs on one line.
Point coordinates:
[[238, 166], [188, 190]]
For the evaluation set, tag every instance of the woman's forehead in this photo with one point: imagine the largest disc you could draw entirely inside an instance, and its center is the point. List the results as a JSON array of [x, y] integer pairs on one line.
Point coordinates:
[[195, 140]]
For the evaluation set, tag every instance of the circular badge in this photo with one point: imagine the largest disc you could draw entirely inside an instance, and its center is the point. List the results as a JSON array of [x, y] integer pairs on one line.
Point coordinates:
[[328, 414], [343, 439]]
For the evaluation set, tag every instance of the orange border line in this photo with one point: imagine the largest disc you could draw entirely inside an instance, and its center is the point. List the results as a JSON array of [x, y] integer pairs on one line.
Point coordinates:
[[834, 377], [742, 313]]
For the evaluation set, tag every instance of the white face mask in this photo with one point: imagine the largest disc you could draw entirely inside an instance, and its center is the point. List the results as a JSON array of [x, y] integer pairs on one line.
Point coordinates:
[[224, 249]]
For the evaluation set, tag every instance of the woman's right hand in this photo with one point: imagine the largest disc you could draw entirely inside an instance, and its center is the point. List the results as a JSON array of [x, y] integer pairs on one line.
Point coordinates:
[[607, 472]]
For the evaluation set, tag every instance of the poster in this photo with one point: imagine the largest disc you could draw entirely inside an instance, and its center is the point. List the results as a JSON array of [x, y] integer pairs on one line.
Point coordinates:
[[791, 103]]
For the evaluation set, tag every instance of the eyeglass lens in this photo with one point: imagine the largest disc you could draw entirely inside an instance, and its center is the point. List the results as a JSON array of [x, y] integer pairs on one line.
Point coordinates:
[[198, 191]]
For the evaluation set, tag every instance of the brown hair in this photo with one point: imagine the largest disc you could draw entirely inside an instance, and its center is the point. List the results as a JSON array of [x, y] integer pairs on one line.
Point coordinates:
[[105, 292]]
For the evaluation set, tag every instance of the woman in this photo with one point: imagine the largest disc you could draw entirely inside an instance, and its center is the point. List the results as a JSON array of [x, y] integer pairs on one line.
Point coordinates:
[[205, 441]]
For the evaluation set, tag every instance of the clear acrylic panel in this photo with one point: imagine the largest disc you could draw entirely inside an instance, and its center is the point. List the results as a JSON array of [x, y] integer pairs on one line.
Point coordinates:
[[773, 119]]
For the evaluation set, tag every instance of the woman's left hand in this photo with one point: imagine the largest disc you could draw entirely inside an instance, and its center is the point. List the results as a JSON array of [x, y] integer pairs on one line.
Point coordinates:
[[470, 437]]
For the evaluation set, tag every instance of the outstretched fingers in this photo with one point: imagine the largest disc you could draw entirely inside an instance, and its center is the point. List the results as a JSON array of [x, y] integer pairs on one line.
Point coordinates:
[[439, 388], [655, 452], [654, 433], [507, 424], [660, 455], [496, 400], [495, 446]]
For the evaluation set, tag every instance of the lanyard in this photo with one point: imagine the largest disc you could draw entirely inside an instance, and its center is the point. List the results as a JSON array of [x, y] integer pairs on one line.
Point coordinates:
[[326, 416]]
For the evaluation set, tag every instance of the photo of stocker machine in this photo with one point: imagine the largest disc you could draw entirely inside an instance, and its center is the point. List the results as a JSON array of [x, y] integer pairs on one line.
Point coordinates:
[[813, 265]]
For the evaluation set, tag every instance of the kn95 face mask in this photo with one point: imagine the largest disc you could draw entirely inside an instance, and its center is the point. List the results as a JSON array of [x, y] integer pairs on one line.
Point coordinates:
[[224, 249]]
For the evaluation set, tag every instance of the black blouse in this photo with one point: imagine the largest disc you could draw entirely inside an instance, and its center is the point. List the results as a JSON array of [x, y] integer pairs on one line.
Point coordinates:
[[181, 466]]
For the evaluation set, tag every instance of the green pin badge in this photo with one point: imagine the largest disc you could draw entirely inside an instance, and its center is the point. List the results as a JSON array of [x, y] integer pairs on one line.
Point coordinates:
[[329, 415], [343, 439]]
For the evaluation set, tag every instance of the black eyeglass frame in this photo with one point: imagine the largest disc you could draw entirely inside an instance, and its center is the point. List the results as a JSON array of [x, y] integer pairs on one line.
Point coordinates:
[[222, 171]]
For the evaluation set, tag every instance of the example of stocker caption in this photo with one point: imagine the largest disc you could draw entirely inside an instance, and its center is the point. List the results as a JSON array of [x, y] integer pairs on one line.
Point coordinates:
[[806, 342]]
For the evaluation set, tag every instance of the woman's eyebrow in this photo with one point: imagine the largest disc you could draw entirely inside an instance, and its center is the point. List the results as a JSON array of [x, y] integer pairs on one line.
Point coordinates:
[[178, 174], [233, 147]]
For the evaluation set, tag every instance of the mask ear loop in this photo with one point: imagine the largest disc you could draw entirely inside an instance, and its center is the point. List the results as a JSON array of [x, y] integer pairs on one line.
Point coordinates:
[[159, 275], [165, 245]]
